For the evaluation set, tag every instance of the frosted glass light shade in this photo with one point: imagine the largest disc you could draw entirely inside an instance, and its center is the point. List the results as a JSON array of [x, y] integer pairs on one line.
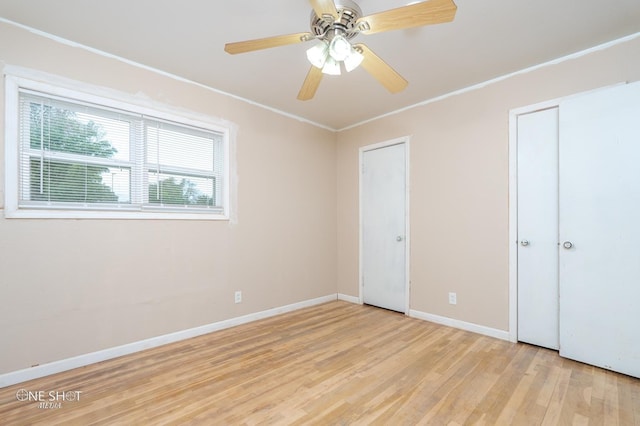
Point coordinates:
[[352, 61], [331, 67], [318, 54], [340, 48]]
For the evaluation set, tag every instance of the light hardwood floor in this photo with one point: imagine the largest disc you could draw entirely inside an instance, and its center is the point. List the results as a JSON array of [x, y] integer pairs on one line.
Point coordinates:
[[336, 363]]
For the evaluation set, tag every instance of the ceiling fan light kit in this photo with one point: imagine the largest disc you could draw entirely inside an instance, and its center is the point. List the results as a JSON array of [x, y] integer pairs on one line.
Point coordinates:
[[327, 56], [333, 24]]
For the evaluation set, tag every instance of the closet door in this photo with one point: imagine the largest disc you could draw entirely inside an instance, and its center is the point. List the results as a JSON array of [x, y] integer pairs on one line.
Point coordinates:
[[538, 228], [383, 227], [600, 229]]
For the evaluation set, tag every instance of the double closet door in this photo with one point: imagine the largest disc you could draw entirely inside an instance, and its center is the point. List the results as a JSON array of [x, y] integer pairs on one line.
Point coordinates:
[[579, 228]]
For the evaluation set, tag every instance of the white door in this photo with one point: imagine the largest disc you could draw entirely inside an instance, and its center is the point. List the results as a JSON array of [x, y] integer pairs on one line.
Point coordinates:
[[538, 228], [600, 229], [383, 195]]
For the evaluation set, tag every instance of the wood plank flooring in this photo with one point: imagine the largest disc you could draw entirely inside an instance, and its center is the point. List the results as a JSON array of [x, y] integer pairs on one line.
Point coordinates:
[[334, 364]]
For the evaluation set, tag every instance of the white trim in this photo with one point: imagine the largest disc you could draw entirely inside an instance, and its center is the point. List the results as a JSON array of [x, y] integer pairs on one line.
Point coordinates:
[[462, 325], [350, 299], [404, 140], [553, 103], [513, 226], [11, 166], [53, 84], [17, 78], [20, 376], [483, 84], [407, 224], [43, 213], [160, 72]]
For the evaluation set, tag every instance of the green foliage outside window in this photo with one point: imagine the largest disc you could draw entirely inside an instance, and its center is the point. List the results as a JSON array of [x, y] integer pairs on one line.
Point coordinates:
[[60, 130]]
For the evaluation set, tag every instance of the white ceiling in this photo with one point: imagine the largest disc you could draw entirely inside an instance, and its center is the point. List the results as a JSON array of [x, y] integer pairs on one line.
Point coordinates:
[[486, 40]]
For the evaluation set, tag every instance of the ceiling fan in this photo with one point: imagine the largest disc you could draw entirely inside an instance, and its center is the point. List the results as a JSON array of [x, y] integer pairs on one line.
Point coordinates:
[[333, 24]]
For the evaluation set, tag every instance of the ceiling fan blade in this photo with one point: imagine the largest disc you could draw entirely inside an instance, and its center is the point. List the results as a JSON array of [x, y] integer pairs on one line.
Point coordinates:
[[415, 15], [266, 43], [324, 8], [310, 85], [381, 71]]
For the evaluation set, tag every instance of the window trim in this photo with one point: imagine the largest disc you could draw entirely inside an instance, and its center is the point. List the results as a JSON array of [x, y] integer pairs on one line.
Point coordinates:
[[84, 93]]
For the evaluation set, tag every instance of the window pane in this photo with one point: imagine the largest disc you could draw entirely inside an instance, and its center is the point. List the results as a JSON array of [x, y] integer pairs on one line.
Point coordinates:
[[115, 132], [173, 146], [181, 190], [57, 181], [118, 179], [60, 129], [78, 154]]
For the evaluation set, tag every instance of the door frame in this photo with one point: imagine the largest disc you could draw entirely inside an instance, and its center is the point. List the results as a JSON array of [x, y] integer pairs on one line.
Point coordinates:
[[513, 198], [407, 239]]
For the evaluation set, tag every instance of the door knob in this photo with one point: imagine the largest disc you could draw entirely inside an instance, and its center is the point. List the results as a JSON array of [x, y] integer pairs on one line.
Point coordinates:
[[567, 245], [524, 243], [399, 238]]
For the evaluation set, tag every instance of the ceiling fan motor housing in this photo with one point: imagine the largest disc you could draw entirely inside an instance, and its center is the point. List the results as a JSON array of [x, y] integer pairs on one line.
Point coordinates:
[[326, 29]]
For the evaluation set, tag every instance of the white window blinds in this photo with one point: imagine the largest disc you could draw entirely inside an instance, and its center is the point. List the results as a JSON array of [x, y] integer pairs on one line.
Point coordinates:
[[183, 166], [82, 156]]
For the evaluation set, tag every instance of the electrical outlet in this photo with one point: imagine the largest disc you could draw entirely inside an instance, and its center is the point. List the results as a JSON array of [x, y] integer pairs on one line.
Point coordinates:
[[238, 297], [453, 299]]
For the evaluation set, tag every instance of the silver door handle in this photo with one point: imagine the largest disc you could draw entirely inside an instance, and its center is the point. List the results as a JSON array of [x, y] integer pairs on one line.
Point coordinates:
[[399, 238], [524, 243], [567, 245]]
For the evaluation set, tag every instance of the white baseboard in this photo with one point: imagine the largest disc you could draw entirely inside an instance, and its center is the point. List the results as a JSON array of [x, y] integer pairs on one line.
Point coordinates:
[[350, 299], [26, 374], [467, 326]]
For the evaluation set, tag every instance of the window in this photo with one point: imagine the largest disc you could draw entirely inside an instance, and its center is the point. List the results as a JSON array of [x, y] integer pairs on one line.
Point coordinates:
[[79, 155]]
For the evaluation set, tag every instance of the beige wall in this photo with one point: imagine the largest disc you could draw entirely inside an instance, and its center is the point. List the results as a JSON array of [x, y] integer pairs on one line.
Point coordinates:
[[459, 184], [70, 287]]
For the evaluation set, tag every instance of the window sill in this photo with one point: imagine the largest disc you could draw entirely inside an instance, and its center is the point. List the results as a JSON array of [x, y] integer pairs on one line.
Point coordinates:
[[111, 215]]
